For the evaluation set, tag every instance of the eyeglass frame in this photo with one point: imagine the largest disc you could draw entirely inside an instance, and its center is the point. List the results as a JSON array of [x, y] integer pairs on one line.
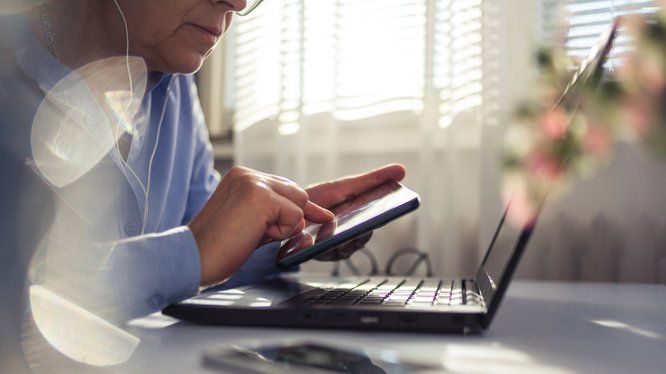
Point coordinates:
[[249, 9], [421, 258]]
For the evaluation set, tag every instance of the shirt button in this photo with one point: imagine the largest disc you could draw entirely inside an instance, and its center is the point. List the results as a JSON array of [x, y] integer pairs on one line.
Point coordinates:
[[131, 229]]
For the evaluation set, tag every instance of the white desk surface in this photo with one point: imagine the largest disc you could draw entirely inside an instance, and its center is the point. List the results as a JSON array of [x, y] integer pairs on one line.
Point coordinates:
[[541, 327]]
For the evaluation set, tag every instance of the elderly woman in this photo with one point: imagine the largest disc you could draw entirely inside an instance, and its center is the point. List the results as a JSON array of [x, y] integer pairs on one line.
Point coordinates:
[[152, 207]]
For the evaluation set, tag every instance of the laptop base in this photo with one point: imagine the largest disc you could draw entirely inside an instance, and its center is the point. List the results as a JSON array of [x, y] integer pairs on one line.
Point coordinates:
[[279, 303]]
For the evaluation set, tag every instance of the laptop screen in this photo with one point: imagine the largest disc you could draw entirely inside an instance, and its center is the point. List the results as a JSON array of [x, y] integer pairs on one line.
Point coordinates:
[[509, 241], [498, 258], [501, 260]]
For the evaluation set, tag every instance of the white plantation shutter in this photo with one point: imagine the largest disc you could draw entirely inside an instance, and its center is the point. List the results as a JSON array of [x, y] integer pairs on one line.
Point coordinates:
[[587, 19], [257, 45], [354, 59], [381, 50], [458, 57]]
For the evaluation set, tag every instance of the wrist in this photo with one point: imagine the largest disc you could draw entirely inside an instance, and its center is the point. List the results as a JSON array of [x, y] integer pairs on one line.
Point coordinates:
[[206, 276]]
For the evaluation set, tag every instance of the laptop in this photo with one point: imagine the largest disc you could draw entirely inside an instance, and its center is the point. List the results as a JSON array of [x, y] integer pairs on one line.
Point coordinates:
[[454, 305]]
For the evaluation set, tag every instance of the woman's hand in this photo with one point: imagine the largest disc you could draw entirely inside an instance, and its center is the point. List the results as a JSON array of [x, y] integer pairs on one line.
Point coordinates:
[[330, 194], [248, 209]]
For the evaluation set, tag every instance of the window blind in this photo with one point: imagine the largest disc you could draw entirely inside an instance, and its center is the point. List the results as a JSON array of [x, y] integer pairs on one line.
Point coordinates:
[[588, 19], [458, 57], [354, 59]]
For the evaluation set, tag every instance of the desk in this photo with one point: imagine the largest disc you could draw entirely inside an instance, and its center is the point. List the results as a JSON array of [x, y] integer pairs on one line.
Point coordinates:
[[541, 327]]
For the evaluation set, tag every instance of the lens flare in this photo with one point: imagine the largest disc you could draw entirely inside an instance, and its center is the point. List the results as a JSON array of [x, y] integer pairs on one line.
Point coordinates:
[[83, 116], [77, 333]]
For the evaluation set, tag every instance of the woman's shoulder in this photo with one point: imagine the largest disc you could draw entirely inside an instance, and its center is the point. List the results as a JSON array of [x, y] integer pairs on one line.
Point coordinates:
[[8, 31]]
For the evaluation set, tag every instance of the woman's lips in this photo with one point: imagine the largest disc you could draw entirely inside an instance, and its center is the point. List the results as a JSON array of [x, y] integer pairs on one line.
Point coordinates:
[[210, 34]]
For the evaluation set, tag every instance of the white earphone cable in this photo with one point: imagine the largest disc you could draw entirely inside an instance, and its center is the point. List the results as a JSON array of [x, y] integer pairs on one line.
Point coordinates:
[[145, 189]]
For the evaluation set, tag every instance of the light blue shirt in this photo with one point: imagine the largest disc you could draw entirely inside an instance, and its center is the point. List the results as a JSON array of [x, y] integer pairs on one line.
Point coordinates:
[[143, 273]]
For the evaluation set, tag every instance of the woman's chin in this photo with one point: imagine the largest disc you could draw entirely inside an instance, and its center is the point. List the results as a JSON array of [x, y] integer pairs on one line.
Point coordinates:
[[178, 63], [187, 63]]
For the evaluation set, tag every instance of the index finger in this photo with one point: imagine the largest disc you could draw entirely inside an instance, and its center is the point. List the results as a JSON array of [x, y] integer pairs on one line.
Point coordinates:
[[333, 193]]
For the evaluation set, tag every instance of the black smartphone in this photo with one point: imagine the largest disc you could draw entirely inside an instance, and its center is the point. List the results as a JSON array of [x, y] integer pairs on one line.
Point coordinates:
[[353, 217], [308, 357]]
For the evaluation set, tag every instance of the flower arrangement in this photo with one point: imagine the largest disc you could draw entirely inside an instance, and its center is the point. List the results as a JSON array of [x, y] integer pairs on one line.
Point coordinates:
[[554, 143]]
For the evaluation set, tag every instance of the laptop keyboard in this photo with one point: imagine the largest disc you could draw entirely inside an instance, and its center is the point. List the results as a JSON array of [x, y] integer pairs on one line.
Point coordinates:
[[415, 293]]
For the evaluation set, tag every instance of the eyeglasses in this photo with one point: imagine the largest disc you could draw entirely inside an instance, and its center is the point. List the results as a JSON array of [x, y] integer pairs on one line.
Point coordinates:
[[406, 261], [250, 5]]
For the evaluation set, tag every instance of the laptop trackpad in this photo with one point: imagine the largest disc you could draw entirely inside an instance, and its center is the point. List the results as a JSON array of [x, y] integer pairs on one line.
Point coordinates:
[[264, 294]]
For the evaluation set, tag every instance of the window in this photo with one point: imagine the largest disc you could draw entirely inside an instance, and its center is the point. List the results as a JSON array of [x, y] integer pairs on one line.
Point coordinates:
[[587, 19], [355, 59]]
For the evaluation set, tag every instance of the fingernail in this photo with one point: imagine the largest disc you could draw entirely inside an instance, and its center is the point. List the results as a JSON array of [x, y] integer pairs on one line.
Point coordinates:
[[330, 214]]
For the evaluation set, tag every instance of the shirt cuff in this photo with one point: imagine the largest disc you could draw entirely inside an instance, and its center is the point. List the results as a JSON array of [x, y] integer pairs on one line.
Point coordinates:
[[180, 265], [156, 270], [260, 266]]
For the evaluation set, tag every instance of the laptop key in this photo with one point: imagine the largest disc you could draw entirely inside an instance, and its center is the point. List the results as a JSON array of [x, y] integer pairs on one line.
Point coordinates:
[[371, 301], [306, 297], [343, 302], [446, 285], [430, 285], [422, 300], [470, 285], [408, 285], [457, 286], [419, 306], [388, 286], [356, 294], [442, 300], [395, 303], [473, 302], [456, 290], [367, 287], [378, 293]]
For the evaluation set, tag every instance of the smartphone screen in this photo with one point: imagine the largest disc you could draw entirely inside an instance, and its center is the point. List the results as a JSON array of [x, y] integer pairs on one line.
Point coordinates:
[[354, 217]]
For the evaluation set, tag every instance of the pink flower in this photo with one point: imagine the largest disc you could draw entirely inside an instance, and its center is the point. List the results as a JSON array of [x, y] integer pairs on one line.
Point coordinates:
[[544, 166], [554, 124]]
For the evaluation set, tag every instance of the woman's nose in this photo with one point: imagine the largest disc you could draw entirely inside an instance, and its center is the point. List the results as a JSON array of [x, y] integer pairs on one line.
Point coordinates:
[[236, 5]]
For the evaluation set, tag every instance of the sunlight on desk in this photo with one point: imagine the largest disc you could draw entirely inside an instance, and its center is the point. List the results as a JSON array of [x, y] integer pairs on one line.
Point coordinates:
[[495, 358], [629, 328], [153, 321]]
